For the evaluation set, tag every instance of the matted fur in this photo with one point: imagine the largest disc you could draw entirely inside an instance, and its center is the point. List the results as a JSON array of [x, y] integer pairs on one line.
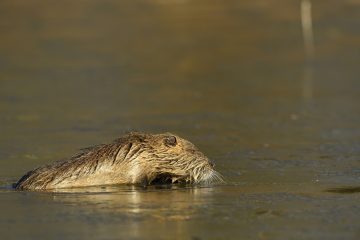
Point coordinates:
[[136, 158]]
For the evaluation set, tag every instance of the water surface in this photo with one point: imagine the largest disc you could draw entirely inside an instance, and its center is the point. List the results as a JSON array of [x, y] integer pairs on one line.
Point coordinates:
[[231, 76]]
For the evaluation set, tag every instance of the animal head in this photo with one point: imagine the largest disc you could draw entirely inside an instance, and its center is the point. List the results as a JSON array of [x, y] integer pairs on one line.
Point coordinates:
[[168, 158]]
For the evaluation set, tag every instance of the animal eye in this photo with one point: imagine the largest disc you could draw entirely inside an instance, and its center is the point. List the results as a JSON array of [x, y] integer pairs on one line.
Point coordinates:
[[170, 141]]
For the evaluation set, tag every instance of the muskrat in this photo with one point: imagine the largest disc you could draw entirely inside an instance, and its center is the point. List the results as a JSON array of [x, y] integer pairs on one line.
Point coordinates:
[[135, 158]]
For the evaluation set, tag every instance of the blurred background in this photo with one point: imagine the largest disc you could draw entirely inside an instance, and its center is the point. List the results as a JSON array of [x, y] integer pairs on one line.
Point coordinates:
[[268, 89]]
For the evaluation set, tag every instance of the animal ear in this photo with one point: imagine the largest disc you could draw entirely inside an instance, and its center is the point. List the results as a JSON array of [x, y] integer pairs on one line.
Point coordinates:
[[170, 141]]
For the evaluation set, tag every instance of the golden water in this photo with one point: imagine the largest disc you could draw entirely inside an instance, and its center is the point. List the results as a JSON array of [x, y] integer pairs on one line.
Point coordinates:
[[230, 76]]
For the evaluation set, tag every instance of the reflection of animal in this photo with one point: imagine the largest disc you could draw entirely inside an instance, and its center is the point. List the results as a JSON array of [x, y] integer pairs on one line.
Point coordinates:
[[136, 158]]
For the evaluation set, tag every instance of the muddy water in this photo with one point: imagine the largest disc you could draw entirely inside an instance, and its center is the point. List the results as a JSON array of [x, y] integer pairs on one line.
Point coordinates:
[[231, 76]]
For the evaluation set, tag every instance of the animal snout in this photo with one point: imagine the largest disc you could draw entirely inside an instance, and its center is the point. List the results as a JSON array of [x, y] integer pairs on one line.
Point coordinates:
[[212, 164]]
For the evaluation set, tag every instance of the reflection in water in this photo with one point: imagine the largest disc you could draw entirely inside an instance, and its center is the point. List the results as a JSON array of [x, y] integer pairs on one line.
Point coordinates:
[[306, 23], [308, 82], [308, 36], [139, 207], [171, 203]]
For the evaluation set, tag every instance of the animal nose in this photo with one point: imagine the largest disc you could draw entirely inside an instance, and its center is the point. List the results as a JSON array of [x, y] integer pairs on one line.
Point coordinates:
[[212, 164]]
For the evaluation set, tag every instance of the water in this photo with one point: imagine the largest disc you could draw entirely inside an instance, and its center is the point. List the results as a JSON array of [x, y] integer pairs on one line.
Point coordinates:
[[230, 76]]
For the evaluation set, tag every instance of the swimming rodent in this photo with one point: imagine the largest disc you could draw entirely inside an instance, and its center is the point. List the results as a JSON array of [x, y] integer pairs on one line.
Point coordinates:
[[135, 158]]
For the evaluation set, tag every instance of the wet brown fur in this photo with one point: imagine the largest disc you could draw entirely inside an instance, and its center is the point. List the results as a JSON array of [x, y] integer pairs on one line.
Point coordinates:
[[136, 158]]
